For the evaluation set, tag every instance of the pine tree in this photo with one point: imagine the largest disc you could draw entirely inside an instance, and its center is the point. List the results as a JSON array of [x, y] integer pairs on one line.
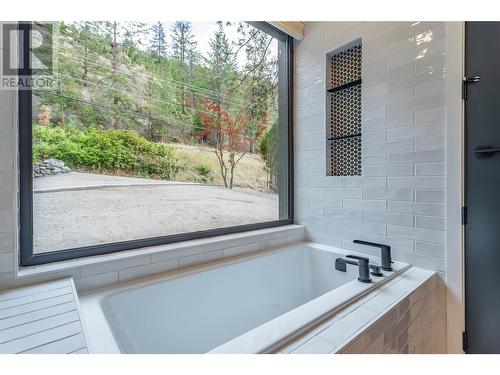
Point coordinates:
[[222, 63], [184, 52], [133, 42], [84, 35], [120, 83], [158, 44], [183, 42]]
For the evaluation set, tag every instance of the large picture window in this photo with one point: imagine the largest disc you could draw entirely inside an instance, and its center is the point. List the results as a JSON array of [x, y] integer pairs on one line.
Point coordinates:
[[154, 133]]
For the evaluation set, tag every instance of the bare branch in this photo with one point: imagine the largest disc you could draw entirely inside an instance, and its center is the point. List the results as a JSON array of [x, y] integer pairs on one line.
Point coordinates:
[[254, 34], [261, 61]]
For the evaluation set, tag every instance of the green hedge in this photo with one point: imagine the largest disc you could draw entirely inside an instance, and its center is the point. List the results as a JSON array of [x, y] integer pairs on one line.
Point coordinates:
[[106, 150]]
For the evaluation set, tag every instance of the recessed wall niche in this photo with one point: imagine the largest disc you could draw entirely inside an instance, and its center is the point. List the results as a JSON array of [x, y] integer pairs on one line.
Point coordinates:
[[343, 99]]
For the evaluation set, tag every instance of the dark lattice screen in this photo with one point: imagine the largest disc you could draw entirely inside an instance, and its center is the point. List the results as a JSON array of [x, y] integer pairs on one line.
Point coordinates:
[[345, 156], [345, 107], [346, 66], [344, 136]]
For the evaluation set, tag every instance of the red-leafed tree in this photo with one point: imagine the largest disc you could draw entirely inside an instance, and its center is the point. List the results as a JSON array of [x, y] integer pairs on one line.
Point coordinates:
[[227, 135]]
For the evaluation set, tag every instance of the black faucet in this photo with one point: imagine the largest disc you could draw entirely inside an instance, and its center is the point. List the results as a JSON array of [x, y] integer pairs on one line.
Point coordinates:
[[385, 253], [362, 263]]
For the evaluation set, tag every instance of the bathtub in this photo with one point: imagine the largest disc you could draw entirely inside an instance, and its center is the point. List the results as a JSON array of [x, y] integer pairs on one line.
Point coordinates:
[[250, 304]]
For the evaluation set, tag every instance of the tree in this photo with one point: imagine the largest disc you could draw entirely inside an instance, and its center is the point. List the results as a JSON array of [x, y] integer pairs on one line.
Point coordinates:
[[222, 64], [76, 48], [227, 134], [114, 66], [259, 72], [269, 150], [184, 53], [158, 45], [119, 83], [133, 41], [85, 35], [183, 43]]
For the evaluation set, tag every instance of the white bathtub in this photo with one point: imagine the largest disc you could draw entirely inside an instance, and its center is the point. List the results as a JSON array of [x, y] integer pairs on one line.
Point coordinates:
[[249, 304]]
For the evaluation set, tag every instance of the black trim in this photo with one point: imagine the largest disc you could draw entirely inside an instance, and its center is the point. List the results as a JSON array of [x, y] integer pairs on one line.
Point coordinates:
[[27, 258], [465, 196], [345, 86], [291, 164], [345, 136], [25, 152]]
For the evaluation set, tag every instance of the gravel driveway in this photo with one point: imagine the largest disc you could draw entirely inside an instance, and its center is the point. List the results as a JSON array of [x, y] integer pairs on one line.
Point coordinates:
[[82, 209]]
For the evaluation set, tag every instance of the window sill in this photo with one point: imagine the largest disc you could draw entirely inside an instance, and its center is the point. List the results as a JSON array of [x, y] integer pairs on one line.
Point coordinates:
[[194, 250]]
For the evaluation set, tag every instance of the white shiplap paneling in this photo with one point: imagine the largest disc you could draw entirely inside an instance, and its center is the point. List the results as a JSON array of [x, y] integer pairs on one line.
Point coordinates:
[[43, 318]]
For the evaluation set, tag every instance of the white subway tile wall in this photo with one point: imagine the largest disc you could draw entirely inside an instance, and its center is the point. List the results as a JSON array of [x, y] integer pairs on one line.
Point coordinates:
[[400, 198]]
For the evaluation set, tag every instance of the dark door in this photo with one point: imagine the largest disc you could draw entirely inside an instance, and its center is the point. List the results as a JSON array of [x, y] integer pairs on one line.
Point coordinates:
[[482, 190]]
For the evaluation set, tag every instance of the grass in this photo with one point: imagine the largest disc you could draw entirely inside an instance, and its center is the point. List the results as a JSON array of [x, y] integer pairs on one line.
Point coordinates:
[[249, 172]]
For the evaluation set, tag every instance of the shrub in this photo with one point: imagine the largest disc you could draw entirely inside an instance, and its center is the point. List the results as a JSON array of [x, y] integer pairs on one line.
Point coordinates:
[[269, 150], [202, 169], [107, 150], [204, 172]]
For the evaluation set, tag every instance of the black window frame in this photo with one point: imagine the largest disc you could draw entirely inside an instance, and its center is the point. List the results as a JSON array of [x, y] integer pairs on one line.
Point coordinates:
[[28, 258]]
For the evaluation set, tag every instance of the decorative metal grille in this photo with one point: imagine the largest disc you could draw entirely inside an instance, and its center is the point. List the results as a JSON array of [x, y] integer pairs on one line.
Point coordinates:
[[345, 156], [346, 66]]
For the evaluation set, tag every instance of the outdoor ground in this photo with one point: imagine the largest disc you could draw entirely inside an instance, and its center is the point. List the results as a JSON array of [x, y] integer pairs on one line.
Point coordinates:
[[82, 209]]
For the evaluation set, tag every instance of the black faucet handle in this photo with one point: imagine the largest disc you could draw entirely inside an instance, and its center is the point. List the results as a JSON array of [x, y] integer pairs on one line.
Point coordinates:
[[362, 263], [363, 268]]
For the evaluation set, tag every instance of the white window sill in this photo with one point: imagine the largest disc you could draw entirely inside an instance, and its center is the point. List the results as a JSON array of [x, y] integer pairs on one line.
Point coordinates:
[[261, 238]]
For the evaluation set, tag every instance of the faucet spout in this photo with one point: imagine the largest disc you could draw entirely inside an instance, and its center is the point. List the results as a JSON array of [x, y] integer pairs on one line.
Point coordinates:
[[385, 253]]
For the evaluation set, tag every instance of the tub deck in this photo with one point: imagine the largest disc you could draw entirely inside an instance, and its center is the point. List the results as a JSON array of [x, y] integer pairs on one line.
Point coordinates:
[[251, 304], [43, 318]]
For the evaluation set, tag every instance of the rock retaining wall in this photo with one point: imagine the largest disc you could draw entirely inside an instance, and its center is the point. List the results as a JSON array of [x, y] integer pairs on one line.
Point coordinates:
[[49, 167]]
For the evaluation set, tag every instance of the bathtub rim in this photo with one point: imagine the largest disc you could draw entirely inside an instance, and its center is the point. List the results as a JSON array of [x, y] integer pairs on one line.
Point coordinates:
[[99, 329]]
